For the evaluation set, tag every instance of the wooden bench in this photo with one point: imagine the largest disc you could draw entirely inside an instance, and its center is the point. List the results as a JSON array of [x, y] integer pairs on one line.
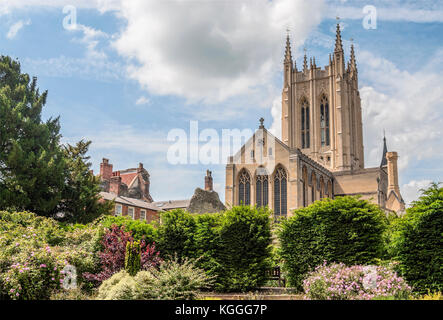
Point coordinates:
[[275, 274]]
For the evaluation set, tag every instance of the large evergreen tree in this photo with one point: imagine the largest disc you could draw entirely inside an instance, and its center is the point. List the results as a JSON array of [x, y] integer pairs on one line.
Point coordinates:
[[37, 173], [31, 160], [80, 199]]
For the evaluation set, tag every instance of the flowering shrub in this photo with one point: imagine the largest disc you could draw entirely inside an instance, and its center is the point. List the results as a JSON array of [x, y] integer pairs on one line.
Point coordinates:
[[338, 282], [34, 274], [112, 257]]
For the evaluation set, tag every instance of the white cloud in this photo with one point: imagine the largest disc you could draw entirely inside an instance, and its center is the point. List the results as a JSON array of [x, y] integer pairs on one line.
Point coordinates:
[[16, 27], [210, 50], [411, 191], [142, 100], [407, 105]]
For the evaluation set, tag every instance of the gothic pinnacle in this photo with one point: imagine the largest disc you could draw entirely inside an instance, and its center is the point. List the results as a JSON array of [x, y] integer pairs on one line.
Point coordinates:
[[338, 41], [288, 53], [305, 62]]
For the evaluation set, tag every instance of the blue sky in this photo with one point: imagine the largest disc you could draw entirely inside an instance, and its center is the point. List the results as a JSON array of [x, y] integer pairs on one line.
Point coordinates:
[[132, 71]]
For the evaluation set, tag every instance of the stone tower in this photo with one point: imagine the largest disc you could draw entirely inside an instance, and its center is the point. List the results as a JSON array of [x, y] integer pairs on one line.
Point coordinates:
[[321, 109]]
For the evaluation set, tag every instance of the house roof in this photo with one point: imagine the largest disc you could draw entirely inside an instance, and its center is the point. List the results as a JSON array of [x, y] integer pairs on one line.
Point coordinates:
[[129, 201], [172, 204]]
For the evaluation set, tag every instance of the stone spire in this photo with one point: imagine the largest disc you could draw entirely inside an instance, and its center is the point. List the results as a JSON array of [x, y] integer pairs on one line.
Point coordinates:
[[305, 62], [384, 161], [288, 53], [353, 61], [338, 42]]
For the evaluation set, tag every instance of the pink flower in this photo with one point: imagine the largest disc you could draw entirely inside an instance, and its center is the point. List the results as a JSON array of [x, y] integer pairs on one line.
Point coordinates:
[[43, 265]]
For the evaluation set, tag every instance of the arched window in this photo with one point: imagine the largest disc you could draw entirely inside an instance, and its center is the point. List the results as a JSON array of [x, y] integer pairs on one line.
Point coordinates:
[[261, 189], [305, 141], [244, 188], [280, 193], [324, 122]]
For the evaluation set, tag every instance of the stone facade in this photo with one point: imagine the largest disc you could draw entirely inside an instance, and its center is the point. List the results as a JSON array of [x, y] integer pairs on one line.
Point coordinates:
[[321, 152]]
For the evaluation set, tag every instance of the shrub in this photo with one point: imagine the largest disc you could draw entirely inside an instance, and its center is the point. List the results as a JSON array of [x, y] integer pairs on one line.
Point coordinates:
[[207, 242], [418, 242], [132, 258], [121, 286], [346, 229], [338, 282], [174, 280], [29, 268], [140, 230], [112, 257], [176, 234], [35, 273], [245, 249]]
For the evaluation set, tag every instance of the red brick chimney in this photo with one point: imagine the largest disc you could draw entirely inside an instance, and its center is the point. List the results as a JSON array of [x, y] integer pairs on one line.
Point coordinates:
[[208, 181], [115, 183], [105, 169]]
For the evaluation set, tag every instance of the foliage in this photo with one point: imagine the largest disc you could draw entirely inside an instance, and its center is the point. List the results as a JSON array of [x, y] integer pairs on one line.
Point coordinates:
[[176, 234], [431, 296], [81, 193], [245, 248], [338, 282], [173, 280], [207, 242], [29, 269], [132, 258], [112, 257], [417, 241], [346, 229], [38, 173], [121, 286], [31, 160], [139, 229]]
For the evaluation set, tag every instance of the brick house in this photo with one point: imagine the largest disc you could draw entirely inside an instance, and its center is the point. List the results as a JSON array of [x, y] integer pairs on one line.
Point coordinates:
[[134, 208]]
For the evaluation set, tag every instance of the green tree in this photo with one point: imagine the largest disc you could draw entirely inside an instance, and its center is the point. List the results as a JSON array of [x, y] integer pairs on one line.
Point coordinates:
[[346, 229], [244, 251], [176, 235], [80, 198], [31, 161], [417, 241]]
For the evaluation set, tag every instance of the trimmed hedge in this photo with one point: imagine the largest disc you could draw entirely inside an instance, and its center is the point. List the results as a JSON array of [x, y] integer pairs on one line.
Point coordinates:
[[346, 230], [233, 246], [139, 229], [418, 242]]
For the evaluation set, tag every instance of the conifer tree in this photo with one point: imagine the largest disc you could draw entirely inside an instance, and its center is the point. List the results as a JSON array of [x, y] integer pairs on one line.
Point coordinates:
[[31, 160]]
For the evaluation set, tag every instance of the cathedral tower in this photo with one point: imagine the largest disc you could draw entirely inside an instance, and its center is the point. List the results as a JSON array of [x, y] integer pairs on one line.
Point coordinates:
[[321, 110]]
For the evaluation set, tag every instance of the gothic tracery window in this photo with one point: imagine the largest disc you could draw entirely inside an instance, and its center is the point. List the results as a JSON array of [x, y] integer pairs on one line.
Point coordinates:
[[305, 139], [261, 190], [324, 122], [244, 189], [280, 193]]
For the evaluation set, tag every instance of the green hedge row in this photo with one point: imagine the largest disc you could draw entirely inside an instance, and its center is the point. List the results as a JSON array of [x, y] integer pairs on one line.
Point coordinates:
[[233, 246], [346, 230]]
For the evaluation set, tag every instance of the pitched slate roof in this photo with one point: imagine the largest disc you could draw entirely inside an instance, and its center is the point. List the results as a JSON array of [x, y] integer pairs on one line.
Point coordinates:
[[129, 201]]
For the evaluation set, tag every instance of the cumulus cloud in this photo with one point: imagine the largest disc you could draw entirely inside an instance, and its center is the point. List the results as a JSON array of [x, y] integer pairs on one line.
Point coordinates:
[[411, 191], [16, 27], [405, 104], [210, 51]]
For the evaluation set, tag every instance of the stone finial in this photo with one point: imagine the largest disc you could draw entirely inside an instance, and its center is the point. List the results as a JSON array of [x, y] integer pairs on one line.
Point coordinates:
[[262, 126], [305, 62]]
